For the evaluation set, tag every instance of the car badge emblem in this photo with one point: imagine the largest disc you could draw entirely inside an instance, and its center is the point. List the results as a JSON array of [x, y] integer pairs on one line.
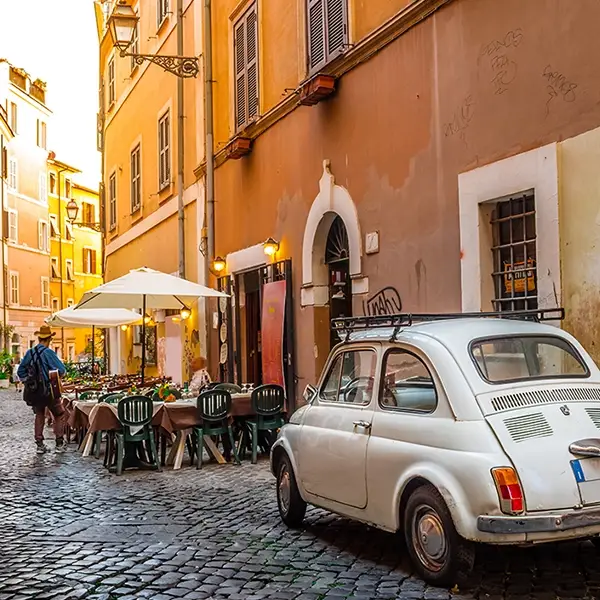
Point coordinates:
[[565, 410]]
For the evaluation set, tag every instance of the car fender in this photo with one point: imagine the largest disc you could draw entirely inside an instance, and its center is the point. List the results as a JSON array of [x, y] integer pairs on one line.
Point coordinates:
[[283, 445], [451, 491]]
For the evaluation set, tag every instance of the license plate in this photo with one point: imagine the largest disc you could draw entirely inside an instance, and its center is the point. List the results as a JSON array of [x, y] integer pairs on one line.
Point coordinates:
[[587, 469]]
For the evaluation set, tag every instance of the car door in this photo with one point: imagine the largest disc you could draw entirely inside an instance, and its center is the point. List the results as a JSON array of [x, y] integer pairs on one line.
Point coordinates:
[[336, 430]]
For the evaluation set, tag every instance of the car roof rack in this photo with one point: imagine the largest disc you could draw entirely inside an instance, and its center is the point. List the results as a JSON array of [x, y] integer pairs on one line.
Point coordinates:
[[348, 325]]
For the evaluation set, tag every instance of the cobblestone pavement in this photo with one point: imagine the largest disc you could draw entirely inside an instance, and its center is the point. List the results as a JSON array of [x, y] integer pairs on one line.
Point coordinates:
[[68, 530]]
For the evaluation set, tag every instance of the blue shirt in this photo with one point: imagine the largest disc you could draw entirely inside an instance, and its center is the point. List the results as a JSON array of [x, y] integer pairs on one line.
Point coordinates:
[[49, 360]]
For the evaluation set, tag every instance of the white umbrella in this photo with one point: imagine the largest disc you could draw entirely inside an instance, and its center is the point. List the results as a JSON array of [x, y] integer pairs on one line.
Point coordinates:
[[93, 317], [148, 289]]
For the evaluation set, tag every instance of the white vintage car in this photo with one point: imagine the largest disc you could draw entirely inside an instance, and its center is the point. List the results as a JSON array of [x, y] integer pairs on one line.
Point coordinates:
[[453, 431]]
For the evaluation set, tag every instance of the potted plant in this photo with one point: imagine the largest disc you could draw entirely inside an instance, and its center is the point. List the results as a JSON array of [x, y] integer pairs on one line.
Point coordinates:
[[5, 368]]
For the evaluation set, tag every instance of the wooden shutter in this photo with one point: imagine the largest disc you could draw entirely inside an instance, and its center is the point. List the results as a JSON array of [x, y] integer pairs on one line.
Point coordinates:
[[240, 74], [336, 27], [316, 34], [93, 261], [252, 62]]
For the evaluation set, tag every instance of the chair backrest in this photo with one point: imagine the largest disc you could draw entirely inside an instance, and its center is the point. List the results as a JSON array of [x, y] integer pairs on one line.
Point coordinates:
[[232, 388], [85, 395], [214, 405], [268, 400], [135, 411], [111, 398]]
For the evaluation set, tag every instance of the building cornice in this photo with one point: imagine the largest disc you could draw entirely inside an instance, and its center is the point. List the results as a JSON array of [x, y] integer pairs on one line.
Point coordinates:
[[362, 51]]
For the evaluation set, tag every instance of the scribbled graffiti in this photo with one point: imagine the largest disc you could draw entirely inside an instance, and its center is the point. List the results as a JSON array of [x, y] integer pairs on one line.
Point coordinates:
[[385, 302]]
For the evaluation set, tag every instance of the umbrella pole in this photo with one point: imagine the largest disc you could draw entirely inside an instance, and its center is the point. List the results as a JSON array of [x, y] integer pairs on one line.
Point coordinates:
[[93, 347], [143, 337]]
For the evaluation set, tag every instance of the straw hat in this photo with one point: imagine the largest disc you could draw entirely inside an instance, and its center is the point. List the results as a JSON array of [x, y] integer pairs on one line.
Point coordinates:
[[45, 333]]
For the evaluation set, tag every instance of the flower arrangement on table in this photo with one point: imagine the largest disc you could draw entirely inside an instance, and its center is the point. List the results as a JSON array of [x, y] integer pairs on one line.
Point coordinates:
[[165, 394]]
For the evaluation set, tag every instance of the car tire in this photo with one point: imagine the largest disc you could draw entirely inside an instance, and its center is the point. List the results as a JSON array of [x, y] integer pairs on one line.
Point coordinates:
[[439, 554], [289, 501], [596, 542]]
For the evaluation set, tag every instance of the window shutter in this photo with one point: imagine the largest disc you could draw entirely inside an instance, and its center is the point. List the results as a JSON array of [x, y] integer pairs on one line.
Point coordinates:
[[240, 75], [252, 62], [4, 165], [316, 34], [93, 261], [336, 27]]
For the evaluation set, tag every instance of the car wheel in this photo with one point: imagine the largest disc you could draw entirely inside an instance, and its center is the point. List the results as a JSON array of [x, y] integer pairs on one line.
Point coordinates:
[[439, 554], [291, 506], [596, 542]]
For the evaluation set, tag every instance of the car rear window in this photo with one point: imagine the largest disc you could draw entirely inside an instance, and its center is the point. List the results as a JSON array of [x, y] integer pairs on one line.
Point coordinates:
[[519, 358]]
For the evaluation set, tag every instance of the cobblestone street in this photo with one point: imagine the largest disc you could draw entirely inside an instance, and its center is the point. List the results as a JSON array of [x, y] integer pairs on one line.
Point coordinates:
[[71, 530]]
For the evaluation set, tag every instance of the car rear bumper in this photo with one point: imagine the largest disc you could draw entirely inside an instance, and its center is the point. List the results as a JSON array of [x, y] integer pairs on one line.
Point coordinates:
[[546, 523]]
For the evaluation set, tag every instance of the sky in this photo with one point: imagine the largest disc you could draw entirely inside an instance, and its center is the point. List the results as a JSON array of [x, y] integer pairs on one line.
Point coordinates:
[[56, 41]]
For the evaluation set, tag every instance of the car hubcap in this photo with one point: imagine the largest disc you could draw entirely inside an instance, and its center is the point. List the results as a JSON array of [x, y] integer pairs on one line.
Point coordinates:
[[429, 538], [284, 490]]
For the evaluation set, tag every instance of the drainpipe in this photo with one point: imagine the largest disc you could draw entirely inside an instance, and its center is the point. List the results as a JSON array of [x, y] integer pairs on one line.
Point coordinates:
[[60, 254], [102, 199], [4, 235], [208, 232], [180, 145]]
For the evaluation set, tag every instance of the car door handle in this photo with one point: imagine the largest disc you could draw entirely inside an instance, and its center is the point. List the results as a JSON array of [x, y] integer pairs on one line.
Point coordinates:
[[362, 424]]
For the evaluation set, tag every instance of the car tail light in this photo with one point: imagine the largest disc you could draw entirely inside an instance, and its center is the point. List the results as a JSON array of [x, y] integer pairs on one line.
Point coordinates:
[[509, 490]]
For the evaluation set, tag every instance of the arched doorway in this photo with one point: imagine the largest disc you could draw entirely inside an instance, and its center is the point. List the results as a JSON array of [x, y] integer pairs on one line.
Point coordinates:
[[337, 259]]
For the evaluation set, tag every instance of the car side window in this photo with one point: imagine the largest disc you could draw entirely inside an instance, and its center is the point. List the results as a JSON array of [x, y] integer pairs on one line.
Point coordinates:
[[407, 383], [351, 378]]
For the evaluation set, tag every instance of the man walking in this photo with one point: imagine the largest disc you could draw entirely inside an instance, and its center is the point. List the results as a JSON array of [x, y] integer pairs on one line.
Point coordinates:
[[34, 372]]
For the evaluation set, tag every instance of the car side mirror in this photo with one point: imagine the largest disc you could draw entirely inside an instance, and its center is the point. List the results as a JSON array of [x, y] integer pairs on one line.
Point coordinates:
[[310, 392]]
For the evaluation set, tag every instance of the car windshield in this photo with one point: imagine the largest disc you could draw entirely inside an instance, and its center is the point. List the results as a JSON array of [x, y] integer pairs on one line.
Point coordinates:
[[518, 358]]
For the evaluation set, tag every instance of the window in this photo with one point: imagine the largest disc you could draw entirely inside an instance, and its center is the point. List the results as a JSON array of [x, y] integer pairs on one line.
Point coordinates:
[[164, 150], [12, 174], [43, 237], [54, 268], [89, 261], [112, 201], [88, 213], [407, 383], [68, 189], [136, 180], [14, 288], [68, 230], [518, 358], [52, 183], [351, 378], [70, 302], [135, 45], [43, 187], [55, 306], [13, 226], [69, 269], [41, 134], [327, 24], [13, 117], [162, 11], [54, 228], [71, 352], [111, 82], [45, 292], [514, 254], [246, 68]]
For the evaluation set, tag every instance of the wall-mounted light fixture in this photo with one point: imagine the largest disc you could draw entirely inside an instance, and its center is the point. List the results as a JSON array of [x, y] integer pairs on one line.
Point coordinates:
[[124, 327], [219, 264], [185, 313], [271, 247]]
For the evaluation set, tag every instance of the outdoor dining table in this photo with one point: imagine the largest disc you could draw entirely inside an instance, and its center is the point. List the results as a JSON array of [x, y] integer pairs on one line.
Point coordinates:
[[177, 418]]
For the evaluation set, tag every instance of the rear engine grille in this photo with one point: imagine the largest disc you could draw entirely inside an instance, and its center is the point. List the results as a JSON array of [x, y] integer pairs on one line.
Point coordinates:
[[526, 427], [594, 415], [537, 397]]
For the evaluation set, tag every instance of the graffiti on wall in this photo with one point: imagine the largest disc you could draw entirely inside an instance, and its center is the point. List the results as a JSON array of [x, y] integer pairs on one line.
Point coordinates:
[[386, 301]]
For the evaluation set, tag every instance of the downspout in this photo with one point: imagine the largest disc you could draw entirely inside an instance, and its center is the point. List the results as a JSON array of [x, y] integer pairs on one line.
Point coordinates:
[[4, 235], [208, 232], [60, 254], [180, 146], [102, 198]]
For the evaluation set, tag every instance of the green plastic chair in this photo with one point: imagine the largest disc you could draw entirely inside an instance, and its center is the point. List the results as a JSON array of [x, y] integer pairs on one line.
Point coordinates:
[[135, 413], [232, 388], [214, 408], [268, 402], [110, 398]]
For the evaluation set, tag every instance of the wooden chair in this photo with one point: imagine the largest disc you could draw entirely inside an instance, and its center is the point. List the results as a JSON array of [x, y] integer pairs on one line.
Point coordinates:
[[135, 415], [268, 402], [214, 409]]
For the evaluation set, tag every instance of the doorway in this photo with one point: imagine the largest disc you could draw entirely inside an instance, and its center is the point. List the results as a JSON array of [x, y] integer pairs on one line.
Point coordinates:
[[253, 328], [337, 259]]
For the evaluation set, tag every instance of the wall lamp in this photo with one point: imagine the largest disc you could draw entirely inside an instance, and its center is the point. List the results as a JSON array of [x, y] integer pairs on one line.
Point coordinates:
[[218, 265], [73, 210], [271, 247], [122, 24], [185, 313]]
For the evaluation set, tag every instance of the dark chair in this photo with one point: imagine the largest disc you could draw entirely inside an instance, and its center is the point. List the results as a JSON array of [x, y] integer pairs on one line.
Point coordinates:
[[232, 388], [214, 408], [268, 402], [135, 415], [110, 398]]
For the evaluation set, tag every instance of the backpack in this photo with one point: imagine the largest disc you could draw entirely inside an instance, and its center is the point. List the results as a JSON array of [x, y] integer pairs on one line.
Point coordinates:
[[35, 388]]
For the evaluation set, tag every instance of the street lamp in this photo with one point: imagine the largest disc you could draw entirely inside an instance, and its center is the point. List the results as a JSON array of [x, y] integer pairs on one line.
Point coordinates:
[[122, 23], [73, 210]]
